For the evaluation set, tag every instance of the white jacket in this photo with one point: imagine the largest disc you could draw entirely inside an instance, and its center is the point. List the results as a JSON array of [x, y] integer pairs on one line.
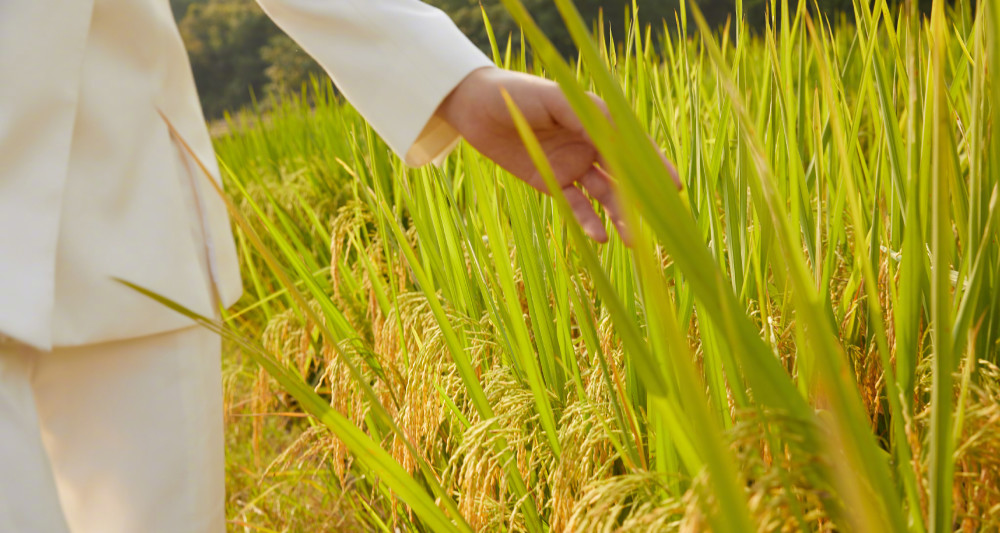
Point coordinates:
[[93, 187]]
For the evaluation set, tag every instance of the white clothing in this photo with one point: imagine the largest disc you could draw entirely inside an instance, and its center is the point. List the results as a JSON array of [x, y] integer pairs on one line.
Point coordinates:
[[119, 437]]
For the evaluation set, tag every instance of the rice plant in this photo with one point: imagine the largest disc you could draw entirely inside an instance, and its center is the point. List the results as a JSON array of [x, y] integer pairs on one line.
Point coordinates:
[[803, 336]]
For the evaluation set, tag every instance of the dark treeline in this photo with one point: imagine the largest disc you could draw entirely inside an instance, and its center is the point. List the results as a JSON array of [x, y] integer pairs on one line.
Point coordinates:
[[236, 51]]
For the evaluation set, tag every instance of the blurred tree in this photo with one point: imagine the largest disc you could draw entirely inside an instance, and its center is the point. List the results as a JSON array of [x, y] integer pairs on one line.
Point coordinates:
[[224, 39], [235, 49], [288, 66], [180, 7]]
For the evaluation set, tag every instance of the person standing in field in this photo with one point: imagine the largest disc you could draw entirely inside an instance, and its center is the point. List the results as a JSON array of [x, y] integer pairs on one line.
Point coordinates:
[[110, 403]]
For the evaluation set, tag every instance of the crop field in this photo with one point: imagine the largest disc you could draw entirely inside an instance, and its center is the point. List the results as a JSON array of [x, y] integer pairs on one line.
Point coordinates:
[[803, 337]]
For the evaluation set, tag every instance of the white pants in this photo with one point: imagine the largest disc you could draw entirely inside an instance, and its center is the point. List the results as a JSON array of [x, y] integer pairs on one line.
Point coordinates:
[[120, 437]]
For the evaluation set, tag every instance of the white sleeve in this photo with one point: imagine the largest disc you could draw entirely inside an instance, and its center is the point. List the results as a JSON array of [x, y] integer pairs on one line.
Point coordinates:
[[394, 60]]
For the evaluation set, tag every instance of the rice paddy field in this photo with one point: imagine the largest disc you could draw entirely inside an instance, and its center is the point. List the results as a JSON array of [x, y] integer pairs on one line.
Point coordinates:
[[804, 337]]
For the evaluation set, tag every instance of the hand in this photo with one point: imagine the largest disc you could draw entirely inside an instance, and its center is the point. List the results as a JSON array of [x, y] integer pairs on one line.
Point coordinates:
[[476, 108]]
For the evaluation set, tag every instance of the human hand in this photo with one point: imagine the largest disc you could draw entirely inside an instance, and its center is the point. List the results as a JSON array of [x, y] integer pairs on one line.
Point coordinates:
[[476, 108]]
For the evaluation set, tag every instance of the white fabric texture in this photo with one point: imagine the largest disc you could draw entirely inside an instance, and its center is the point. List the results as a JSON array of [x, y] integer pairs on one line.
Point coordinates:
[[29, 499], [119, 437], [93, 187]]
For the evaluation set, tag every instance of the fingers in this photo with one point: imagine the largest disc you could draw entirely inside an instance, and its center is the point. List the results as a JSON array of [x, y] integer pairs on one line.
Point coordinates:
[[563, 115], [583, 210], [594, 182], [600, 187]]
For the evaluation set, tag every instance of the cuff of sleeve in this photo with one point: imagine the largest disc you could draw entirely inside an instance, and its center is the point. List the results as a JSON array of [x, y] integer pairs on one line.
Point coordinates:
[[434, 144], [436, 139]]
